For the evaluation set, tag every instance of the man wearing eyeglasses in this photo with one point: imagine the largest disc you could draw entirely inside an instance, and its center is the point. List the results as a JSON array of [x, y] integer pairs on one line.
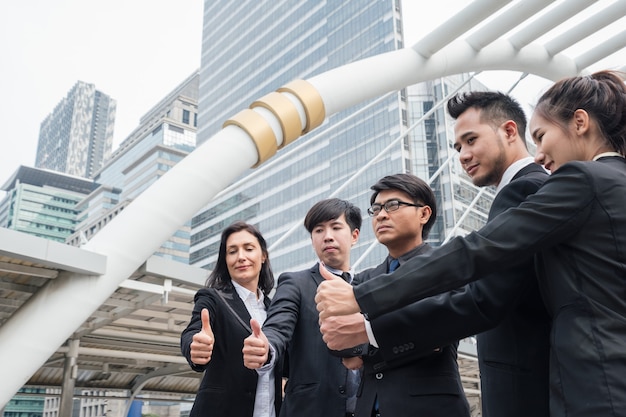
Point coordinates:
[[403, 210]]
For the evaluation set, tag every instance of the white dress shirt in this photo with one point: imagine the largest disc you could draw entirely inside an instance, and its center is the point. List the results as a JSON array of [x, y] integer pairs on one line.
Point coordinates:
[[265, 390]]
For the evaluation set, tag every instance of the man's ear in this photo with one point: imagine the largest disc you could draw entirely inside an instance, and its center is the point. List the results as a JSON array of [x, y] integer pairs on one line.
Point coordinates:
[[355, 236], [510, 129], [426, 213]]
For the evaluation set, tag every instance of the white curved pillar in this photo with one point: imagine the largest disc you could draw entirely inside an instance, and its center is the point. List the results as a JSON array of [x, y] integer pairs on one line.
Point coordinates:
[[50, 316]]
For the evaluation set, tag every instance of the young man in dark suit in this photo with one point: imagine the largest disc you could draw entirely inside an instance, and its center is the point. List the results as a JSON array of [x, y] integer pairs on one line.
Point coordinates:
[[403, 210], [507, 315], [318, 384]]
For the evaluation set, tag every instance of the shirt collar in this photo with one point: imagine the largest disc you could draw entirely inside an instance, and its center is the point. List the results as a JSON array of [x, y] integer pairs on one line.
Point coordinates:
[[244, 293], [605, 154], [513, 169], [339, 272]]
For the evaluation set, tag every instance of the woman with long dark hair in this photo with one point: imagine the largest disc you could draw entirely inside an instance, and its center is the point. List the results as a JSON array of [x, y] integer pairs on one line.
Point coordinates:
[[237, 291]]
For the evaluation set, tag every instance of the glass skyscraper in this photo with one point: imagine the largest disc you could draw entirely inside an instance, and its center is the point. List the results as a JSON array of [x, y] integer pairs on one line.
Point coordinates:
[[77, 136], [252, 48]]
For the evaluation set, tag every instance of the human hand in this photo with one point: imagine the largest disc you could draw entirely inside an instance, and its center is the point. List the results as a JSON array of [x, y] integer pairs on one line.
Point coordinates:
[[334, 296], [352, 363], [255, 347], [343, 332], [202, 342]]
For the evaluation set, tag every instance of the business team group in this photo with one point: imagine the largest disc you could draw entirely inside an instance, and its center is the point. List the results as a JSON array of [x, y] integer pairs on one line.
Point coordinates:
[[542, 285]]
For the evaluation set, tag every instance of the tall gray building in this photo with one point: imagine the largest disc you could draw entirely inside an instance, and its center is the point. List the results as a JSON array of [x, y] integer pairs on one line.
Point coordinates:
[[77, 137], [165, 135], [252, 48]]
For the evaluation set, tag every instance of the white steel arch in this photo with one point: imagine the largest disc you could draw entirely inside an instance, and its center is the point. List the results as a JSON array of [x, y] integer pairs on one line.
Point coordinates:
[[510, 42]]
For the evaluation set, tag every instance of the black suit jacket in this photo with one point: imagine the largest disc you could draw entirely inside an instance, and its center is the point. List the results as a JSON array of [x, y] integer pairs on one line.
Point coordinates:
[[508, 316], [576, 223], [421, 385], [317, 381], [228, 388]]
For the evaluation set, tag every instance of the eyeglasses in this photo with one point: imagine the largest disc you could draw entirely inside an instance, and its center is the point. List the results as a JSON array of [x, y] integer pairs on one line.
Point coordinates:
[[389, 206]]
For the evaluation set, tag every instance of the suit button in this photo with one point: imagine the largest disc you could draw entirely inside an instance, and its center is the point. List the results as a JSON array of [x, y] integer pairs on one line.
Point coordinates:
[[342, 389], [379, 375], [411, 345], [395, 350]]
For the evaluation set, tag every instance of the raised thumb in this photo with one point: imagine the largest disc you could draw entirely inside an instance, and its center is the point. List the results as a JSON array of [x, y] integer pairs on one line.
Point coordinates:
[[325, 273], [256, 328], [206, 323]]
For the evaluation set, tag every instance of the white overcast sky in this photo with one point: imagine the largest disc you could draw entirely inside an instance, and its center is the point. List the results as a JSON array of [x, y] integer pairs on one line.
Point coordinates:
[[136, 51]]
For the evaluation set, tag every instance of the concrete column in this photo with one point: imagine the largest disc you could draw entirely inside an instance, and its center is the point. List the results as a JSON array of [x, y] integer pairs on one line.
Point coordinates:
[[69, 379]]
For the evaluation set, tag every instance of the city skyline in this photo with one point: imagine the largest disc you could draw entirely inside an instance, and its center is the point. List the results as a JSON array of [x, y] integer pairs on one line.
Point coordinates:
[[136, 52]]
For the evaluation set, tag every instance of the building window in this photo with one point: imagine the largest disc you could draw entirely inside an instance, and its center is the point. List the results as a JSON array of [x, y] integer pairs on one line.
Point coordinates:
[[186, 117]]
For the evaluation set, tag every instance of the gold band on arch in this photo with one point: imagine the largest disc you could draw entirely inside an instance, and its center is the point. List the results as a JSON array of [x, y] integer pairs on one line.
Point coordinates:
[[287, 114], [310, 99], [259, 131]]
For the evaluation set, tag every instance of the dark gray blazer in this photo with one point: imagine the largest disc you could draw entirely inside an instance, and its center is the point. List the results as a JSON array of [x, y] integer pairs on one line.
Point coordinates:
[[228, 388], [576, 223], [419, 385], [317, 380], [507, 315]]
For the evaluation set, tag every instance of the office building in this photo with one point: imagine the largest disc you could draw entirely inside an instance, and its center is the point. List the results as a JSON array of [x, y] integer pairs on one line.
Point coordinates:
[[252, 49], [77, 136], [26, 403], [41, 202], [165, 135]]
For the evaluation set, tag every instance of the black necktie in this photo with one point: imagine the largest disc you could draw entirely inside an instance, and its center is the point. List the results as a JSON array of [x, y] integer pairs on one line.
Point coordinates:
[[346, 277], [393, 265]]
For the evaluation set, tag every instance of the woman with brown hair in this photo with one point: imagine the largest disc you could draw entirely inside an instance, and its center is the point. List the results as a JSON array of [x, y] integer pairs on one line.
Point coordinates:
[[237, 291]]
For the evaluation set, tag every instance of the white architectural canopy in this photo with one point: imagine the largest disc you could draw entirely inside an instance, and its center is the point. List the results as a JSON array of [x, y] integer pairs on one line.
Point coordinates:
[[529, 36]]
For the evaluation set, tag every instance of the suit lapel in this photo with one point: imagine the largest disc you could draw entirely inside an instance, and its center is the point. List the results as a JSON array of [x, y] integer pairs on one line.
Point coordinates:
[[315, 274], [238, 307], [380, 269]]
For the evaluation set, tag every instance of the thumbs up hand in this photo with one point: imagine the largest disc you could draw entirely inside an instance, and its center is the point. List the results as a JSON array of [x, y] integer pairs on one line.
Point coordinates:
[[202, 342], [255, 347], [335, 297]]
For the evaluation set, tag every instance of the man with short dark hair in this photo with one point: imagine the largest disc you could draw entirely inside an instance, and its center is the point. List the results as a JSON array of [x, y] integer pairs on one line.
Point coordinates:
[[403, 210], [318, 384]]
